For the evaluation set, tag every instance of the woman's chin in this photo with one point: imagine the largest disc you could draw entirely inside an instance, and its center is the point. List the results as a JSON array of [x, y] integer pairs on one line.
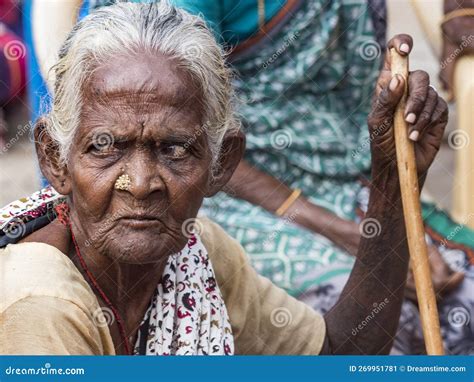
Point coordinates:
[[143, 247]]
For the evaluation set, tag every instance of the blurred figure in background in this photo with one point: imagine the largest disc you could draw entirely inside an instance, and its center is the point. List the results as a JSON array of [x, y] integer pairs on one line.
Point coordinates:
[[12, 61], [458, 38]]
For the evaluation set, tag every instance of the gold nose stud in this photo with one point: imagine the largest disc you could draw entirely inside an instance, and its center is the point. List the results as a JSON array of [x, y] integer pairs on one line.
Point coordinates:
[[123, 182]]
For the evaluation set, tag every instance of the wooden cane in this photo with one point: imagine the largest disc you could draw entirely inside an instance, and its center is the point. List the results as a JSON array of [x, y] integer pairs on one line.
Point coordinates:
[[410, 192]]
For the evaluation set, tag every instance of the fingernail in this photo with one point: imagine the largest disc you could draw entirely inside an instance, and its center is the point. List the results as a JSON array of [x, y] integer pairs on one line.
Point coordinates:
[[393, 83], [405, 48], [410, 118], [414, 136]]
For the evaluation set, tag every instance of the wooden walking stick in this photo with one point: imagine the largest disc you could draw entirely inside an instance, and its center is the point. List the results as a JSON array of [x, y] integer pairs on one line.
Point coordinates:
[[413, 220]]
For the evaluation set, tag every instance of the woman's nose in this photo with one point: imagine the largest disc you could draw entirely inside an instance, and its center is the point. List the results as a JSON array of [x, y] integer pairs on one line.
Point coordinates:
[[145, 175]]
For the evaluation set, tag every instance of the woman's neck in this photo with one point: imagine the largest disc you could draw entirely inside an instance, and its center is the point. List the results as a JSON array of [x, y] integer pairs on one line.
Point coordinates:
[[128, 287]]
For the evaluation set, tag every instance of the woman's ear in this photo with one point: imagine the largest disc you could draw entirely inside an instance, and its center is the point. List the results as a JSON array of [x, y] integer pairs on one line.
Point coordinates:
[[47, 151], [232, 150]]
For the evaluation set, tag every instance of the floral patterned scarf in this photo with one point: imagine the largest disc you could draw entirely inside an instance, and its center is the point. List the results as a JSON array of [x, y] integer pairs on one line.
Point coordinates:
[[187, 314]]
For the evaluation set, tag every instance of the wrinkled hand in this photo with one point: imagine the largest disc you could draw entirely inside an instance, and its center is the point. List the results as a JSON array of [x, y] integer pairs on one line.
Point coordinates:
[[426, 113]]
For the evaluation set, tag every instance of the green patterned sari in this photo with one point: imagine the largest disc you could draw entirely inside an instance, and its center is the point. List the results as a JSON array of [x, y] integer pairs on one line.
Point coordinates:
[[306, 94]]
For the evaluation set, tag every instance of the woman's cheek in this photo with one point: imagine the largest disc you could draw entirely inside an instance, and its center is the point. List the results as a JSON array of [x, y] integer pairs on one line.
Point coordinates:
[[93, 189], [190, 195]]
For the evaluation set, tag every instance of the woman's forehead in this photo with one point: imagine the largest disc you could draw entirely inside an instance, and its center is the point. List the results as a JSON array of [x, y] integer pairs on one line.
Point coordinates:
[[157, 76], [145, 95]]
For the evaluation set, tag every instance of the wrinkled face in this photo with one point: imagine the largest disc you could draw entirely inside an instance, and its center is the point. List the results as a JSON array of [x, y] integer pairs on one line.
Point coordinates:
[[142, 116]]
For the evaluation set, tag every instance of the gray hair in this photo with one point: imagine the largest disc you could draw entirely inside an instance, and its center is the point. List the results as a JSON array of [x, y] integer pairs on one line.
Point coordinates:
[[136, 28]]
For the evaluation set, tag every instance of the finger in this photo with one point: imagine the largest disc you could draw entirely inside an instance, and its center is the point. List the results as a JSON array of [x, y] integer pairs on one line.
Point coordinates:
[[418, 85], [440, 114], [425, 116], [402, 43], [386, 102], [437, 125], [382, 82]]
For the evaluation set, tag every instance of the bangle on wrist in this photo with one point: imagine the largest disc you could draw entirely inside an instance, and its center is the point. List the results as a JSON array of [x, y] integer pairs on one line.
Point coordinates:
[[288, 202]]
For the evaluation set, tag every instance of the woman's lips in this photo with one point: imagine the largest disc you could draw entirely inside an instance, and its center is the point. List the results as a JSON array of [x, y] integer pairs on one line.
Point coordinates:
[[140, 221]]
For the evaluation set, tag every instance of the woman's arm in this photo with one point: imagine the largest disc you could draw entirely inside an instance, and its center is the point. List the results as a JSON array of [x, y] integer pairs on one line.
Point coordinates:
[[264, 318], [259, 188], [365, 318]]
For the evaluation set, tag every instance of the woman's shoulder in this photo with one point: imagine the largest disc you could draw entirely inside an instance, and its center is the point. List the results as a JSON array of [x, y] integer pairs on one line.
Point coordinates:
[[34, 269], [224, 250], [229, 260], [46, 306], [32, 259], [254, 303], [27, 215]]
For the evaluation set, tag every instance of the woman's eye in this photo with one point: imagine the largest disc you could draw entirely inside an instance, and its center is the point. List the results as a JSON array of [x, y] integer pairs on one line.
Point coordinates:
[[101, 149], [175, 151], [103, 142]]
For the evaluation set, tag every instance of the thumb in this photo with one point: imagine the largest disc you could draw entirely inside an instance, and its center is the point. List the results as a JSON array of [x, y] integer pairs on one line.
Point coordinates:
[[402, 43]]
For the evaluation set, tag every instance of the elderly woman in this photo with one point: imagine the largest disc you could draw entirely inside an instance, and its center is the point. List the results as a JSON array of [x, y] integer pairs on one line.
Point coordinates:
[[141, 131]]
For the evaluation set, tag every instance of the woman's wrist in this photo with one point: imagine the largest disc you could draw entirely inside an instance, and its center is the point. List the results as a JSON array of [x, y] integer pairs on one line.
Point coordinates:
[[289, 201]]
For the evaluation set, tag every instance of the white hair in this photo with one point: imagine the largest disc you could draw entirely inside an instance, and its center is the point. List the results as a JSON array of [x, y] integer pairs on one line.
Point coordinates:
[[134, 29]]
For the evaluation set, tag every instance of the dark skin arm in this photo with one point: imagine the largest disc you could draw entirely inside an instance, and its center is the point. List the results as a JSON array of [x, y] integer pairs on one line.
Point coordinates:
[[259, 188], [378, 276], [365, 318]]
